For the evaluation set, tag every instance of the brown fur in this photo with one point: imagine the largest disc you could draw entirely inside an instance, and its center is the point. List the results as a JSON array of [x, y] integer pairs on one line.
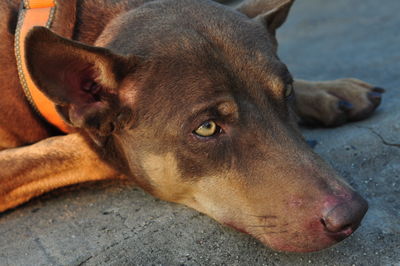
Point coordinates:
[[155, 71]]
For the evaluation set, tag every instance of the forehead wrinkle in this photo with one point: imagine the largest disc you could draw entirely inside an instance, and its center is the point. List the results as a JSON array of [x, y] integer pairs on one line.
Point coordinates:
[[215, 100], [259, 81]]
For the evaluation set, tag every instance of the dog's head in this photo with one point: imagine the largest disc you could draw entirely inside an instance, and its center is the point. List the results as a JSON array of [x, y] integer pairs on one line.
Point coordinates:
[[192, 100]]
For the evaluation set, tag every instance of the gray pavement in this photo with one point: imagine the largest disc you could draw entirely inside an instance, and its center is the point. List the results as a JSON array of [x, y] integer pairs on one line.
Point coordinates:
[[114, 224]]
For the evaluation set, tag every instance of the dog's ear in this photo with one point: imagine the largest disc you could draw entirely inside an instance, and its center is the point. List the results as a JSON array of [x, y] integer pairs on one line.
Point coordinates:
[[81, 80], [272, 13]]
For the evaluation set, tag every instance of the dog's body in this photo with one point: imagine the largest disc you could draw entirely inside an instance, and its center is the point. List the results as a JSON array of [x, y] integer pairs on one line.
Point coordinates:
[[189, 99]]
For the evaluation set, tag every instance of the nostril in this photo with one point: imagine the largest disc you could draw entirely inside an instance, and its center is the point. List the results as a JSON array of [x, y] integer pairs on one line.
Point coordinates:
[[336, 229], [334, 226], [323, 222], [345, 217]]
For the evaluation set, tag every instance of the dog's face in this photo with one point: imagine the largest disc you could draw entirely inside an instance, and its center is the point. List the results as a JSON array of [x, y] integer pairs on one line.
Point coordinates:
[[195, 108]]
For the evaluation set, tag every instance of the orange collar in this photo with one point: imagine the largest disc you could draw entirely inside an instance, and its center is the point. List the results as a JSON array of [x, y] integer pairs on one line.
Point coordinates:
[[36, 13]]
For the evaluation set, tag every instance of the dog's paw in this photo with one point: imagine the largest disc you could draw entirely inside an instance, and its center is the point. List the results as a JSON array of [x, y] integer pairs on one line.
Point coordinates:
[[333, 103]]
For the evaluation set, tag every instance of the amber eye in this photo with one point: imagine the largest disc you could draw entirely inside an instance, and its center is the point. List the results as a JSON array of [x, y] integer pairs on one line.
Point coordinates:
[[289, 90], [207, 129]]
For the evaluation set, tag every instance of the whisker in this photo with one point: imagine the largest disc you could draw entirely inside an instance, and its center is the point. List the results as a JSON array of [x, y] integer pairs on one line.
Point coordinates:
[[266, 226], [264, 216], [278, 232]]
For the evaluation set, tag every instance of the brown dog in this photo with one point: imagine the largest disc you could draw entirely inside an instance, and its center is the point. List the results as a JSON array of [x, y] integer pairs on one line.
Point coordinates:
[[189, 99]]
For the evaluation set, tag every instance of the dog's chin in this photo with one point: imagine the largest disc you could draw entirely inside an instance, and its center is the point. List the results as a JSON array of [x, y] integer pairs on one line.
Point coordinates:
[[298, 247], [282, 244], [297, 242]]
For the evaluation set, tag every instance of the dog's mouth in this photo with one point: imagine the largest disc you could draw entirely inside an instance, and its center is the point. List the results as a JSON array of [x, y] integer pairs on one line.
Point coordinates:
[[298, 206], [302, 234], [286, 240]]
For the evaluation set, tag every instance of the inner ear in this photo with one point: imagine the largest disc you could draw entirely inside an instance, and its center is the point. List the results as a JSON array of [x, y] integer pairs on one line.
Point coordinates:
[[68, 71], [81, 80], [72, 80]]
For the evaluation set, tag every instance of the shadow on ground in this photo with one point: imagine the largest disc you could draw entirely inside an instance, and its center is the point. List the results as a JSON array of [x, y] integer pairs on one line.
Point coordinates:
[[116, 225]]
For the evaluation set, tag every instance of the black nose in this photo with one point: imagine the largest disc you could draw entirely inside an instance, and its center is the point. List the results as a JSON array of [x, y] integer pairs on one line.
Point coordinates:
[[345, 217]]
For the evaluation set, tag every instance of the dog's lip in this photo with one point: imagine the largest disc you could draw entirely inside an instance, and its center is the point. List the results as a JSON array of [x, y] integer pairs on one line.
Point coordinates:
[[236, 227], [327, 239]]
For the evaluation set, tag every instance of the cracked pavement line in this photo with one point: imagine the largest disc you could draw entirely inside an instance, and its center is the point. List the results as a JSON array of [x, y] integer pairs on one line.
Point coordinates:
[[397, 145]]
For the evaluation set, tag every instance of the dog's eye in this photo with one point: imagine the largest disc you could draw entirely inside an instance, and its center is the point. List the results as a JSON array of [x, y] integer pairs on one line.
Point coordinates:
[[289, 90], [207, 129]]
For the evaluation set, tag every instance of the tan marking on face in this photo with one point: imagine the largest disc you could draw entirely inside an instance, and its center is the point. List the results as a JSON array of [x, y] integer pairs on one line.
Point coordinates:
[[276, 85], [228, 108], [221, 196], [165, 177]]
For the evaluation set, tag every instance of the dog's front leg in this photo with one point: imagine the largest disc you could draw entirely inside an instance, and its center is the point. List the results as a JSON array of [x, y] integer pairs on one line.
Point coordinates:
[[332, 103], [55, 162]]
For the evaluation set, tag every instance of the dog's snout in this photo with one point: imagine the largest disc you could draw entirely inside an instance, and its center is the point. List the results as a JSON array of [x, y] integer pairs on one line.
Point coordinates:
[[345, 217]]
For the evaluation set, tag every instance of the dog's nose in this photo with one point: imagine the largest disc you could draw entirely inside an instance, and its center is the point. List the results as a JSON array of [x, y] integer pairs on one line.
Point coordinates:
[[346, 216]]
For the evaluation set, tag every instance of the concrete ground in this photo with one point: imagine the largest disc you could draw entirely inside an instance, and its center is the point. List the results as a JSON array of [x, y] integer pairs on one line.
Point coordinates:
[[112, 224]]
